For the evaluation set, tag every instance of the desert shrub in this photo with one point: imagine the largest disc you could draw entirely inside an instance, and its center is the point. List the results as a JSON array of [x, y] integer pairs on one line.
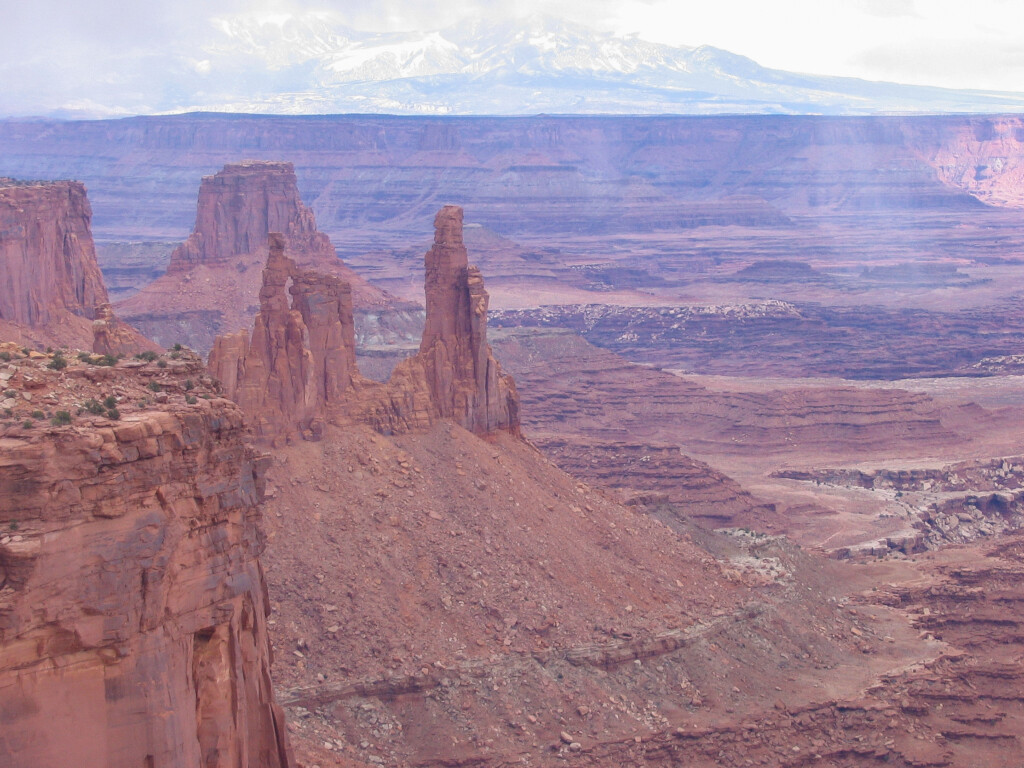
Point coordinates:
[[110, 401], [114, 414], [149, 356], [60, 418], [154, 386]]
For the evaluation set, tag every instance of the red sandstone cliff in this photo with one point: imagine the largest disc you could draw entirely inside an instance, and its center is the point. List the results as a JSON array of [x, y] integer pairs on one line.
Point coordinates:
[[301, 357], [132, 602], [47, 258], [299, 367], [216, 271], [239, 206], [52, 282]]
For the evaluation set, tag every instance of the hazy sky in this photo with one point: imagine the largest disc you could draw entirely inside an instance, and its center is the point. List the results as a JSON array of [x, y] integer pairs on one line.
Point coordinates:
[[950, 43]]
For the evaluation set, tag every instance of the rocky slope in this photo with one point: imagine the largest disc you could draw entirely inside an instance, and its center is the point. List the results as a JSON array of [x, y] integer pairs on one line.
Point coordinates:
[[212, 280], [653, 475], [132, 602], [54, 288], [298, 370]]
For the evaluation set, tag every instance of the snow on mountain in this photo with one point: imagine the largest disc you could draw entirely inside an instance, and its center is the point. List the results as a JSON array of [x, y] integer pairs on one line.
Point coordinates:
[[313, 63]]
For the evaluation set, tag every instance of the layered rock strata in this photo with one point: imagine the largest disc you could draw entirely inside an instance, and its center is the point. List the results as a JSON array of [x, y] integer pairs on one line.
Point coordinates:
[[239, 206], [132, 602], [299, 367], [47, 258], [217, 269], [53, 284]]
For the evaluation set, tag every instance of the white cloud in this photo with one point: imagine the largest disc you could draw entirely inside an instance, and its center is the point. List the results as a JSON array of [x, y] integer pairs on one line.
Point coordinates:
[[55, 49]]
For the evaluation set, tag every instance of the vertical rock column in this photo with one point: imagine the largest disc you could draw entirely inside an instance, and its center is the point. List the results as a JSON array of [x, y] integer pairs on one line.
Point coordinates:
[[465, 380], [279, 387]]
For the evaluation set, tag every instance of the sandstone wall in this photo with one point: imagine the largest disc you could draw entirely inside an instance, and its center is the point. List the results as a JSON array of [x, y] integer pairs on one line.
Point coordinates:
[[132, 601], [239, 205], [47, 259], [213, 277]]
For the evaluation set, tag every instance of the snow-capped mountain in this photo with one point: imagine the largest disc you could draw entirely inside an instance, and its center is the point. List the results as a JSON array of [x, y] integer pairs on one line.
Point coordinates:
[[313, 63]]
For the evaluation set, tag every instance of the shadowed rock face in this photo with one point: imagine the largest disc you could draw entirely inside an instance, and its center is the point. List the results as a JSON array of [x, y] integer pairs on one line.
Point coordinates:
[[132, 601], [47, 259], [299, 367]]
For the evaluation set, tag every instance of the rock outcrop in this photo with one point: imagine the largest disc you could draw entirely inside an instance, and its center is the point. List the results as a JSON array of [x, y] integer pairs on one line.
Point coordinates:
[[113, 336], [53, 284], [466, 382], [301, 357], [239, 206], [132, 601], [217, 269], [47, 258], [299, 369]]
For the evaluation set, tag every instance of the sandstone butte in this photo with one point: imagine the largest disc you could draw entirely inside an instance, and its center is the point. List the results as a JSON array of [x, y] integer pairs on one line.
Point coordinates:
[[298, 369], [54, 293], [216, 271], [133, 605]]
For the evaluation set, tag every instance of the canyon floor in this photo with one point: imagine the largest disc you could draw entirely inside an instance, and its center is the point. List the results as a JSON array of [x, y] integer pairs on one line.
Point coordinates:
[[844, 455], [769, 504]]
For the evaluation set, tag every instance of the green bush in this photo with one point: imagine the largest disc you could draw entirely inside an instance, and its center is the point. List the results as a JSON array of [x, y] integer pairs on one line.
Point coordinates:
[[155, 386], [114, 414], [177, 347], [188, 384], [93, 406], [27, 424], [110, 401], [60, 418], [191, 399], [149, 356], [161, 363], [107, 360], [5, 356], [38, 415], [10, 393], [59, 363]]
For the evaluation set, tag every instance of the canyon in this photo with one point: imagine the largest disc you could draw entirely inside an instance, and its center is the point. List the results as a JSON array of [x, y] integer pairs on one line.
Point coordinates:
[[55, 292], [745, 488], [211, 279], [133, 605]]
